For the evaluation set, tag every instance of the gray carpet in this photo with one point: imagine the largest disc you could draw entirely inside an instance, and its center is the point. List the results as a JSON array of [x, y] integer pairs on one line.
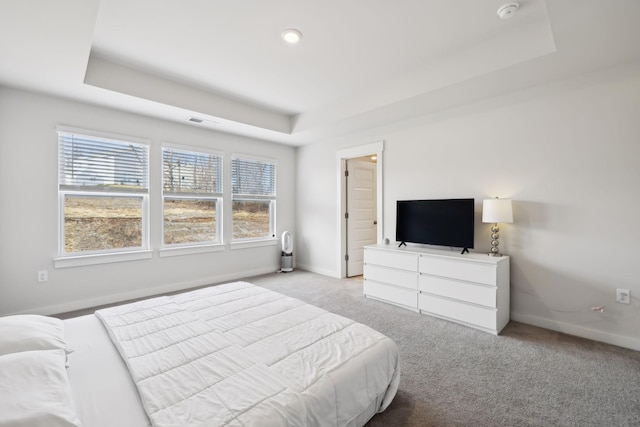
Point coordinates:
[[453, 375]]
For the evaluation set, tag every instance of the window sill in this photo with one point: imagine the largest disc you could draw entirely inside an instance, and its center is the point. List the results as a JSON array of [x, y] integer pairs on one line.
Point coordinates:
[[253, 244], [81, 260], [190, 250]]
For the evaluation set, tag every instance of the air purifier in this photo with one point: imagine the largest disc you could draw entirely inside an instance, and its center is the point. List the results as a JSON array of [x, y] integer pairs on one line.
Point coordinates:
[[287, 252]]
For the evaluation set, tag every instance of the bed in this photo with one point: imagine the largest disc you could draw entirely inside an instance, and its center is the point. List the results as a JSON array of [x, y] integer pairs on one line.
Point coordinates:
[[229, 355]]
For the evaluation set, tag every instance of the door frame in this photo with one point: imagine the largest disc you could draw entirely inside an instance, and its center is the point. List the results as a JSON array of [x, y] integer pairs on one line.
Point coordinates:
[[376, 149]]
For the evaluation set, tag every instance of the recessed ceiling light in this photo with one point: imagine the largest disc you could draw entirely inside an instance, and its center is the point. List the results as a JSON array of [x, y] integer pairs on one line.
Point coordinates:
[[291, 36]]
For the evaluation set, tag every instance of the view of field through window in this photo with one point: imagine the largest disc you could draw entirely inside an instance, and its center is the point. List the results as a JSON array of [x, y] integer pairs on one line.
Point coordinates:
[[251, 219], [187, 221], [102, 223], [105, 189]]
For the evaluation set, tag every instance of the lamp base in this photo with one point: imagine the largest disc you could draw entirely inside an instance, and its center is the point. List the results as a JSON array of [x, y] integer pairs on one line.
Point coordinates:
[[494, 241]]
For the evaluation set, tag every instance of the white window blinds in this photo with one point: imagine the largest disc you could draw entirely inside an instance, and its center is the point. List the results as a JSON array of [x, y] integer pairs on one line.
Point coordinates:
[[253, 178], [91, 163], [188, 172]]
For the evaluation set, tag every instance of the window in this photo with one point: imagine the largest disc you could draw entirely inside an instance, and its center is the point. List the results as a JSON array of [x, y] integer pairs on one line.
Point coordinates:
[[192, 196], [103, 191], [253, 185]]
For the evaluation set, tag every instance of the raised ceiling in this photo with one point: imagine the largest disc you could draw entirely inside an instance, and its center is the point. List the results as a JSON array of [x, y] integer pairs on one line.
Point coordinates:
[[360, 64]]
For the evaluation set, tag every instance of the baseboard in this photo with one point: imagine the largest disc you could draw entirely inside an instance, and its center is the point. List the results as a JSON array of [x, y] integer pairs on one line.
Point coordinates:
[[316, 270], [579, 331], [144, 293]]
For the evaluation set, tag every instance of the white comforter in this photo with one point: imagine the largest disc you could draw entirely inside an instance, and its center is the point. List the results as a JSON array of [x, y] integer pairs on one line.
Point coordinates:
[[241, 355]]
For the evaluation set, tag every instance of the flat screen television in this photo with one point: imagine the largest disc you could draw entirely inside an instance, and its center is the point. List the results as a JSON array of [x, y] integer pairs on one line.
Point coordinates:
[[440, 222]]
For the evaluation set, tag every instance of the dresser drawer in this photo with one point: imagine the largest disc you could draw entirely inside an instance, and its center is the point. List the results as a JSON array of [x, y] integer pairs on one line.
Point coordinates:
[[457, 269], [399, 260], [394, 294], [406, 279], [474, 315], [464, 291]]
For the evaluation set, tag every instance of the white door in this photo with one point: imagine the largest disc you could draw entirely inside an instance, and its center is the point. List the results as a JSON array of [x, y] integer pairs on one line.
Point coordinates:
[[361, 210]]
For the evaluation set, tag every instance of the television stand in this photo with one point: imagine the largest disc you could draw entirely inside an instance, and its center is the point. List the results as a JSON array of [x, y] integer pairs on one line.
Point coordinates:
[[464, 250], [401, 244], [471, 289]]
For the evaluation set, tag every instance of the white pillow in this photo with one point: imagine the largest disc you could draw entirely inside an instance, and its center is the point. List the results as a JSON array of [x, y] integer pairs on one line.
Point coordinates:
[[26, 332], [35, 390]]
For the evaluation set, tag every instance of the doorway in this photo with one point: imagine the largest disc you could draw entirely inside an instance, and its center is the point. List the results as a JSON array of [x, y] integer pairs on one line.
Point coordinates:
[[361, 216], [359, 205]]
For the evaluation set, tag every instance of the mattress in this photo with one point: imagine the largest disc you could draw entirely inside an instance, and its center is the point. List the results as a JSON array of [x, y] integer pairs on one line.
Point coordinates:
[[106, 393]]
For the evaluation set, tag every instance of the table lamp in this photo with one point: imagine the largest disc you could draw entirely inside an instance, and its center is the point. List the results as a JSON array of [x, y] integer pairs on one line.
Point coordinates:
[[495, 211]]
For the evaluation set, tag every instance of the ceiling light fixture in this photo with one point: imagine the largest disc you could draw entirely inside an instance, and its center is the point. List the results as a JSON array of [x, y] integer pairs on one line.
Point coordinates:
[[508, 10], [291, 36]]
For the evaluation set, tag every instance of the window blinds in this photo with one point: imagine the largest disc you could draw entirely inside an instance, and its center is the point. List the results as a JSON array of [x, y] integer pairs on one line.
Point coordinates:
[[254, 178], [96, 164], [189, 172]]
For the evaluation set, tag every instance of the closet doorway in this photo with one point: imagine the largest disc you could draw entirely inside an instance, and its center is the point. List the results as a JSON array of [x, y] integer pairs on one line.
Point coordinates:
[[359, 205], [361, 211]]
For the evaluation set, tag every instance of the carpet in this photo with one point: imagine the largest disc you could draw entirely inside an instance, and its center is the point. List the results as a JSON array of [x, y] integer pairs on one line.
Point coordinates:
[[453, 375]]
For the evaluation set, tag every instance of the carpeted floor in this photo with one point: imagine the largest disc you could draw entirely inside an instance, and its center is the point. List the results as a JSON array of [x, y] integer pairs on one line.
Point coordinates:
[[453, 375]]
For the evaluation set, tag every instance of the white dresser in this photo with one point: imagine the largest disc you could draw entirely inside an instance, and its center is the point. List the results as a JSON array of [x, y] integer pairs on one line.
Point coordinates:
[[472, 288]]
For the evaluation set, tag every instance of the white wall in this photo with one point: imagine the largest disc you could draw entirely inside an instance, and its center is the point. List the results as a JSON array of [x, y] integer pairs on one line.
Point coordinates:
[[29, 213], [569, 157]]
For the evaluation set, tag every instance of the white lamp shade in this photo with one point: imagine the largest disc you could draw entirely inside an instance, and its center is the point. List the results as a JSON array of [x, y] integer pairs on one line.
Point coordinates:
[[497, 210]]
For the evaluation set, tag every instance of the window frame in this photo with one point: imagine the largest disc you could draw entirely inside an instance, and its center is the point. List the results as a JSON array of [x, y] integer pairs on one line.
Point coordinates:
[[170, 249], [101, 256], [255, 241]]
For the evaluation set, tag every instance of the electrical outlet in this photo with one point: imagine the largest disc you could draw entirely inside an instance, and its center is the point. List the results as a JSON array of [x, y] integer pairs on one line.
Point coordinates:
[[623, 296], [43, 276]]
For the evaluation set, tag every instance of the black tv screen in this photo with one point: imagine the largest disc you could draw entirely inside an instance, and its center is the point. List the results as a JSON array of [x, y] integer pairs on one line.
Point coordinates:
[[442, 222]]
